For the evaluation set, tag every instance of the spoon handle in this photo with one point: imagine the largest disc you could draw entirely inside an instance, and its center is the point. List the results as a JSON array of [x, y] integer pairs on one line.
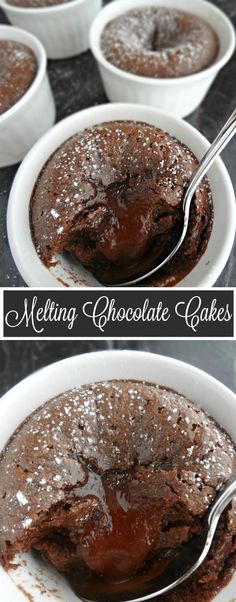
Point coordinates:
[[221, 501], [215, 149]]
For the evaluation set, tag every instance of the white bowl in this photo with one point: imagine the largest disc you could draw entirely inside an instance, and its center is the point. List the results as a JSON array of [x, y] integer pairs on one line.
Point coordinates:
[[29, 394], [34, 113], [63, 29], [69, 272], [180, 95]]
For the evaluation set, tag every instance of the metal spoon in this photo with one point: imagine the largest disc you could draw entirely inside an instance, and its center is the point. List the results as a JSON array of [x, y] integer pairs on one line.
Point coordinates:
[[190, 556], [213, 152]]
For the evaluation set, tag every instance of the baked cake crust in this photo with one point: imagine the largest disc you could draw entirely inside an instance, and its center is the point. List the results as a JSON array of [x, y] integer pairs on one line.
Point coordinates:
[[17, 71], [112, 196], [157, 453], [159, 42]]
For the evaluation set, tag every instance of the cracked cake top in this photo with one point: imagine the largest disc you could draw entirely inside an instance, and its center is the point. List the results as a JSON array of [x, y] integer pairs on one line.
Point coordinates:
[[169, 447]]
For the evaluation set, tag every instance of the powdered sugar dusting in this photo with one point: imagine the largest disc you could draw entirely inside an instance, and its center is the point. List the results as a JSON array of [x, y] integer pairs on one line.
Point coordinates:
[[21, 498]]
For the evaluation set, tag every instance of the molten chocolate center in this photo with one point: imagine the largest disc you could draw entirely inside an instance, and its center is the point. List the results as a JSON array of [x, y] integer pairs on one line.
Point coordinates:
[[120, 549]]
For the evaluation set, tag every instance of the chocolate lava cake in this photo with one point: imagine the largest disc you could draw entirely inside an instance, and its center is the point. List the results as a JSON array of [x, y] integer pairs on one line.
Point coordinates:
[[106, 476], [18, 68], [159, 42], [37, 3], [112, 196]]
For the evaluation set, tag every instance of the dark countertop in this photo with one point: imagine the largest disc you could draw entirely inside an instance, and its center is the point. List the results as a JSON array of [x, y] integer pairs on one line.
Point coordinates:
[[76, 84], [20, 358]]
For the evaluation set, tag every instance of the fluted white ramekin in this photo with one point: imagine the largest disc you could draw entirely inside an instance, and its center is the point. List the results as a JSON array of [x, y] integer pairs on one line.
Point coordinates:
[[204, 390], [34, 113], [180, 95], [67, 271], [63, 29]]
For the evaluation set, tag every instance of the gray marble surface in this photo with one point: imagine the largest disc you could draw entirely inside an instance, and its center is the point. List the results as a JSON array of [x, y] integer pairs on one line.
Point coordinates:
[[20, 358], [76, 84]]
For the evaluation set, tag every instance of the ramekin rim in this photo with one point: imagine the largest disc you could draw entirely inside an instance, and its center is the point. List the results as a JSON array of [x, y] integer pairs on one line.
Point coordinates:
[[162, 364], [40, 10], [152, 81], [206, 280], [41, 63]]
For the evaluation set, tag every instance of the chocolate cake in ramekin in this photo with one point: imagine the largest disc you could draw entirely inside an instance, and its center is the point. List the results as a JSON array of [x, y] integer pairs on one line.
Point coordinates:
[[18, 67], [112, 196]]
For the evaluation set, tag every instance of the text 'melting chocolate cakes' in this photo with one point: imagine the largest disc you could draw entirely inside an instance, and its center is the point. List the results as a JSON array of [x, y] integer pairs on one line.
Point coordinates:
[[104, 477], [112, 197]]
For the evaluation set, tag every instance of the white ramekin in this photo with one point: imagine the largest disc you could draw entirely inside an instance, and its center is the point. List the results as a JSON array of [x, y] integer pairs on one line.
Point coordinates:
[[30, 393], [63, 29], [181, 95], [34, 113], [67, 270]]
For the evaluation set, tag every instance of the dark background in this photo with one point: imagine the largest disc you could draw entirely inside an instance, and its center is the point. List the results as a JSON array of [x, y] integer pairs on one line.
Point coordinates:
[[20, 358], [76, 84]]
